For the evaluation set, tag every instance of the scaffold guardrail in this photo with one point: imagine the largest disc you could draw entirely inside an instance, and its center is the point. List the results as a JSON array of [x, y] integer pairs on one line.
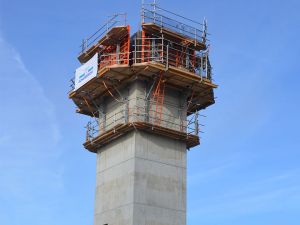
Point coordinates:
[[119, 19], [160, 50], [158, 16], [138, 113]]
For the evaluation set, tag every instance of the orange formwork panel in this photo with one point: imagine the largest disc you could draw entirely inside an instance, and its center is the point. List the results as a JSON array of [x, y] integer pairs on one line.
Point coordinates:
[[116, 52]]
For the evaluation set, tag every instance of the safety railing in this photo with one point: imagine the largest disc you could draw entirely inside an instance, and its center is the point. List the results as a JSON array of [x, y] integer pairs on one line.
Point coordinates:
[[171, 54], [115, 58], [153, 16], [143, 113], [162, 51], [119, 19], [72, 84]]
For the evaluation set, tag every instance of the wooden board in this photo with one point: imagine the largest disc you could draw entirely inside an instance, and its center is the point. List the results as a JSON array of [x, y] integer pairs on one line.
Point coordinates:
[[96, 143]]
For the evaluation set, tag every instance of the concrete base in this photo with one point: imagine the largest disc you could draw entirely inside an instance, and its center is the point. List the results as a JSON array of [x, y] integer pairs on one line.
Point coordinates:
[[141, 180]]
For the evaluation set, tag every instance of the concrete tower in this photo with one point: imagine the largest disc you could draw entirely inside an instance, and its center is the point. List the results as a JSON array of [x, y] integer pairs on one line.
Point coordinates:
[[143, 94]]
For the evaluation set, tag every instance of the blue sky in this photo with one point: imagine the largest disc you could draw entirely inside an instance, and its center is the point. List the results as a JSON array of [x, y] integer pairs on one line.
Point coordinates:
[[247, 169]]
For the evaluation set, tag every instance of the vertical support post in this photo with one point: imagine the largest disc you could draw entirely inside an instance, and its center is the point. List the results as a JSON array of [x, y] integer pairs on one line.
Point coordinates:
[[127, 50], [167, 65], [153, 50], [206, 65], [118, 54], [135, 42], [93, 134], [204, 32], [102, 118], [162, 48], [88, 131], [187, 58], [83, 45], [148, 110], [183, 110], [72, 84], [154, 11], [201, 65], [196, 123], [143, 46]]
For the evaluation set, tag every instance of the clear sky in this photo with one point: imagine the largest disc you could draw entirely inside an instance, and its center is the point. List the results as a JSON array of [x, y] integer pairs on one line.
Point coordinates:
[[247, 169]]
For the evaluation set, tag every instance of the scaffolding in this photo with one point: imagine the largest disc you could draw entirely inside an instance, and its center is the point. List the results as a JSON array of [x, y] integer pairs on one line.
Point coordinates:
[[155, 49], [170, 51], [140, 116], [155, 15]]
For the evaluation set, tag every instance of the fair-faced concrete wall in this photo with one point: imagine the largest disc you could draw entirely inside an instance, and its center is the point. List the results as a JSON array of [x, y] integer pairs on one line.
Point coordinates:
[[115, 182], [141, 180], [159, 181]]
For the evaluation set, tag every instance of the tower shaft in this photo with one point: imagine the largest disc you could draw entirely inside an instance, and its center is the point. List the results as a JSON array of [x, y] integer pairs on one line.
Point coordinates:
[[141, 179], [143, 94]]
